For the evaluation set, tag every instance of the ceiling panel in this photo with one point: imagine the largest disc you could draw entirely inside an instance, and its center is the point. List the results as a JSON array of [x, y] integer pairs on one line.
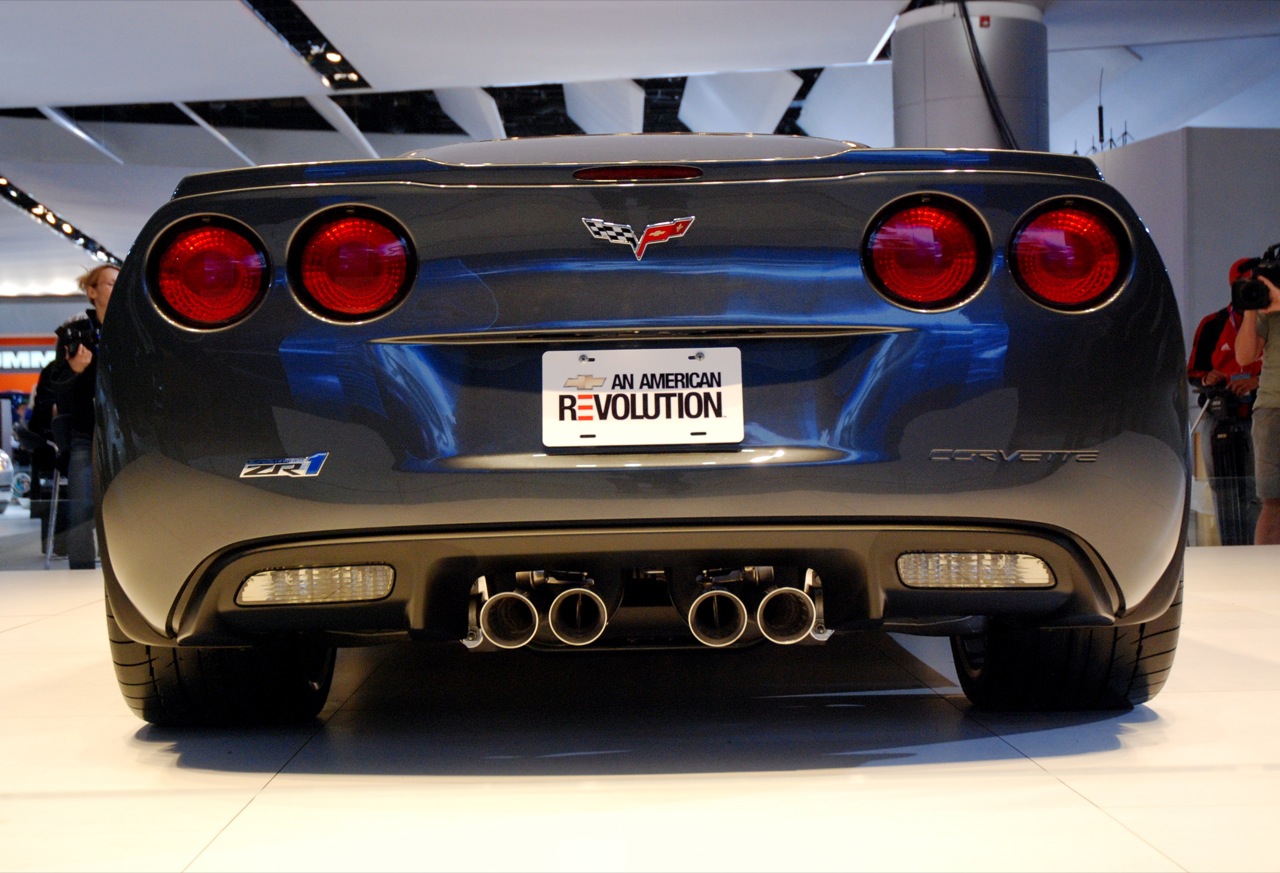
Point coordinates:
[[1075, 24], [1163, 64], [400, 45], [78, 52]]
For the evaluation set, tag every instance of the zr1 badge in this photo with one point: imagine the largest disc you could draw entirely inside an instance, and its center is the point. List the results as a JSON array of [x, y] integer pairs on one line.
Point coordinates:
[[295, 467]]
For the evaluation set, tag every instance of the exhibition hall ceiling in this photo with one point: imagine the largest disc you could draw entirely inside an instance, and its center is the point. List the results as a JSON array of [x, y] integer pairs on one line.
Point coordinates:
[[106, 104]]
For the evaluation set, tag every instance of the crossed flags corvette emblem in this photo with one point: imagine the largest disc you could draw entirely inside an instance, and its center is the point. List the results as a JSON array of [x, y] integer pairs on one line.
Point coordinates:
[[623, 234]]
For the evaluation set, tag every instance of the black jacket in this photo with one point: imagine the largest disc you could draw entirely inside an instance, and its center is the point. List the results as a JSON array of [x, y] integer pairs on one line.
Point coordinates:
[[72, 392]]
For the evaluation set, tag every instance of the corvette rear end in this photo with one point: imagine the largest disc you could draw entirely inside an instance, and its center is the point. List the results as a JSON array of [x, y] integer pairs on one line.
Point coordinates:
[[649, 390]]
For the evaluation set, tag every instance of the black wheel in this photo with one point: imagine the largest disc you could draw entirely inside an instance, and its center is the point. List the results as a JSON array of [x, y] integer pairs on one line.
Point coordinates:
[[1068, 669], [283, 683]]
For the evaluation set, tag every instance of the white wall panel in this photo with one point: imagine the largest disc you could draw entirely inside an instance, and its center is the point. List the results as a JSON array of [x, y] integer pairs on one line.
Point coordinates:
[[613, 106], [473, 110], [738, 102], [852, 103]]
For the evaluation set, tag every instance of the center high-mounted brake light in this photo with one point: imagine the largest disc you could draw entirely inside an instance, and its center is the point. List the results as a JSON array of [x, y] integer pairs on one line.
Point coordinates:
[[637, 173]]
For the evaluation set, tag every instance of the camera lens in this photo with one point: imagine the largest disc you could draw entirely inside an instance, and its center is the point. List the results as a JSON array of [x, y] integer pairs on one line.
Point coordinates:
[[1250, 294]]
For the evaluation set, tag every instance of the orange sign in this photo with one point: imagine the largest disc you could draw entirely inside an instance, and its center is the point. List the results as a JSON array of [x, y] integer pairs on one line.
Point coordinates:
[[21, 360]]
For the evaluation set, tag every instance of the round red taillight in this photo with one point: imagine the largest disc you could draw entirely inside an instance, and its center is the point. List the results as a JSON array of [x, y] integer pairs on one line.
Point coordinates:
[[210, 275], [1068, 257], [926, 255], [354, 267]]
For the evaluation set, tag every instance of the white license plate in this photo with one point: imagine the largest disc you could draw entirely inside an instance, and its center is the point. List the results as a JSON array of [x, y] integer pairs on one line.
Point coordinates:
[[641, 397]]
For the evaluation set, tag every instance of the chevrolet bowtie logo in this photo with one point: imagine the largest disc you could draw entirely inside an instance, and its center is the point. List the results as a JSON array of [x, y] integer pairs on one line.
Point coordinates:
[[584, 383]]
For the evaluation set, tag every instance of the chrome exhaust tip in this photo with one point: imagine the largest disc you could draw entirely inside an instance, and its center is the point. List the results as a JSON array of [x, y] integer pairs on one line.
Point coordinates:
[[718, 618], [509, 620], [786, 615], [577, 616]]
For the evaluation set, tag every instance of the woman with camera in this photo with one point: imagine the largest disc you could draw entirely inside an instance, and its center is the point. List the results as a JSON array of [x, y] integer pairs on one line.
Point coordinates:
[[1258, 293], [72, 384]]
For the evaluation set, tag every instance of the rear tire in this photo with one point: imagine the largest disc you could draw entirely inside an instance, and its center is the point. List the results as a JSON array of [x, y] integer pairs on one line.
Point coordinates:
[[285, 682], [1068, 669]]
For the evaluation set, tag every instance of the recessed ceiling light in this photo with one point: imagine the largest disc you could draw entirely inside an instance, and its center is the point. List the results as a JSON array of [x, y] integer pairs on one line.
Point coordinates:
[[292, 25], [48, 218]]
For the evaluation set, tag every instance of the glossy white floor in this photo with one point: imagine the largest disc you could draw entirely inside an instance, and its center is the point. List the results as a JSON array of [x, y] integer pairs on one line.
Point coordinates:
[[861, 755]]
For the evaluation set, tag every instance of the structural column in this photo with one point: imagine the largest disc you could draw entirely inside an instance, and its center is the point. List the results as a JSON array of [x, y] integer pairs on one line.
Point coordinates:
[[939, 99]]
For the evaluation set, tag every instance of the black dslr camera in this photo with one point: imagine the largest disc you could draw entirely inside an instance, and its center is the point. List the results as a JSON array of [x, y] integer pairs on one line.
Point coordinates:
[[1247, 292], [76, 333], [1225, 405]]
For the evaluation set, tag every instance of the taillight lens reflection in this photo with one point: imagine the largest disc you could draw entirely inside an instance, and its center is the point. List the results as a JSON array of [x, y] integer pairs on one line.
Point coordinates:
[[1068, 258], [210, 276], [925, 256], [353, 267]]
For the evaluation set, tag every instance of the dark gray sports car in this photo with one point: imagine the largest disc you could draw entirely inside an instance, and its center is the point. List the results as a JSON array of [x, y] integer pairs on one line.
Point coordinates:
[[642, 390]]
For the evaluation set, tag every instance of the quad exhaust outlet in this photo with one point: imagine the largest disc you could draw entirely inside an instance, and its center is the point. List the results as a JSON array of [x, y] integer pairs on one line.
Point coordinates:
[[786, 615], [555, 603], [577, 616], [720, 606], [509, 619], [728, 602]]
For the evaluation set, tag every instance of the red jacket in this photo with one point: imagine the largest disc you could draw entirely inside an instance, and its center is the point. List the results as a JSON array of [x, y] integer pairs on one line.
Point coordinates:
[[1214, 348]]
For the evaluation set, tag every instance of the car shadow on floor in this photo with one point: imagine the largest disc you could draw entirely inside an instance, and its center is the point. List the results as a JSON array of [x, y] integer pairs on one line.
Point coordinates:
[[857, 701]]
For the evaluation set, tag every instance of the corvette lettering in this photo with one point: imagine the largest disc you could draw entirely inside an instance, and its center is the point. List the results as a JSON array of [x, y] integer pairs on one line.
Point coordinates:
[[290, 467], [1082, 456], [623, 234]]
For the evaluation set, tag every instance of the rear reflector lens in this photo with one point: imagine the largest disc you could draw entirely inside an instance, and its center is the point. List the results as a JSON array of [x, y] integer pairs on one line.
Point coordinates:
[[1069, 258], [927, 255], [209, 275], [317, 585], [354, 267], [973, 570]]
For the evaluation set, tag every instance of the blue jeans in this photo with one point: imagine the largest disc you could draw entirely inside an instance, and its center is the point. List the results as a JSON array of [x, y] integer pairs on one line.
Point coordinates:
[[81, 541]]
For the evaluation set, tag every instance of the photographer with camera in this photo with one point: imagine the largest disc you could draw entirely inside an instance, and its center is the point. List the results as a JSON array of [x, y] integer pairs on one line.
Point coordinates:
[[1227, 393], [1257, 295], [72, 382]]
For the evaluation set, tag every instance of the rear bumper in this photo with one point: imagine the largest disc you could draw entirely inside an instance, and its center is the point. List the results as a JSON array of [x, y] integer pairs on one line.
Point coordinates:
[[181, 540], [435, 572]]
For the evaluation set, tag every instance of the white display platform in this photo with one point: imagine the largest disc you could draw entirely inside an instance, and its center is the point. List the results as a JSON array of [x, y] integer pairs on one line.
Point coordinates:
[[861, 755]]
